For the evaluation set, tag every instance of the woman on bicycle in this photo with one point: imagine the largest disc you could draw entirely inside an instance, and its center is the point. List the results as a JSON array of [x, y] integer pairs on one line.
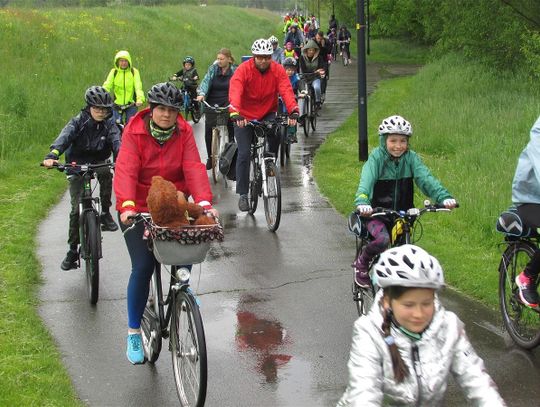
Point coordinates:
[[387, 181], [89, 137], [344, 41], [406, 347], [214, 88], [312, 61], [157, 141], [526, 197]]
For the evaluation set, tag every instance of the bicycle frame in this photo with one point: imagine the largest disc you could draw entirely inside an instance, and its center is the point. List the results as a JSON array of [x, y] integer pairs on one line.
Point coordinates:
[[87, 203]]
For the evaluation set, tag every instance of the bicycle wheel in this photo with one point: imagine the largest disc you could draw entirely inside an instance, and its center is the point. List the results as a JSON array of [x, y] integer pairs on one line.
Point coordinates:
[[272, 198], [284, 146], [150, 325], [254, 185], [313, 120], [363, 298], [307, 117], [215, 154], [92, 244], [521, 322], [188, 350], [344, 57]]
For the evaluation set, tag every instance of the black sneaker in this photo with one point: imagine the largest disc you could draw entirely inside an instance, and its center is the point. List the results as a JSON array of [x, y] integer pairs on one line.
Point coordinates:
[[107, 222], [209, 164], [70, 261], [527, 290], [243, 203]]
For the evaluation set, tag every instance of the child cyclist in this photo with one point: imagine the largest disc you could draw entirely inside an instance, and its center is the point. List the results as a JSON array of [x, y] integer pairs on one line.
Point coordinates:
[[526, 197], [290, 65], [189, 76], [387, 181], [404, 350], [89, 137]]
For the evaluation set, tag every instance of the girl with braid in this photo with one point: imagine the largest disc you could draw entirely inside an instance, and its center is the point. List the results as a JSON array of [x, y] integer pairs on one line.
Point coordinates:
[[406, 347]]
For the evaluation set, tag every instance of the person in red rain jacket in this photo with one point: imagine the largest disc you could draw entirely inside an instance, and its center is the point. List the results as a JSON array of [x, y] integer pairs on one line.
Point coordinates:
[[253, 95], [156, 141]]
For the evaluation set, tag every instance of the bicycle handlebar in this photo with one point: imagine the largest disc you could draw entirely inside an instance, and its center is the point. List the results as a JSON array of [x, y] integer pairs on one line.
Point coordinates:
[[411, 213], [83, 167], [122, 108], [216, 108]]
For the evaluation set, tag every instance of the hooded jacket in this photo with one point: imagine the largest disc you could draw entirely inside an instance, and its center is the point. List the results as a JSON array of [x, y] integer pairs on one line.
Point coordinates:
[[308, 65], [388, 182], [526, 183], [141, 157], [85, 140], [444, 349], [124, 84], [254, 94]]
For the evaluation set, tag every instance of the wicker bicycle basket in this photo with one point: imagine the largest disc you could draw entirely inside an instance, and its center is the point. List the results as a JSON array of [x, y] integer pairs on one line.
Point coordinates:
[[184, 245]]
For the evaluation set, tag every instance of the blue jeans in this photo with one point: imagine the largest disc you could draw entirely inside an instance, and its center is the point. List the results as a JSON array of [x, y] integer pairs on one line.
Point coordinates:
[[317, 88], [129, 112], [244, 137]]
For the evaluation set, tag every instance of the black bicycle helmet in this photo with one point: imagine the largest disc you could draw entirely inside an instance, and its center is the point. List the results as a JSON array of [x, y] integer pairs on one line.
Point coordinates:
[[165, 94], [290, 61], [189, 59], [98, 96]]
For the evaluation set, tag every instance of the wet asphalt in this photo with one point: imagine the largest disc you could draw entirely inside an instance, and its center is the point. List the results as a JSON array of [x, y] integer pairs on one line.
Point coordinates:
[[277, 307]]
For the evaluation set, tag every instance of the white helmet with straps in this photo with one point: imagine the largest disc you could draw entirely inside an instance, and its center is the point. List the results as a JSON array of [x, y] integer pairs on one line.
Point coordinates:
[[408, 266], [262, 47], [395, 125], [273, 40]]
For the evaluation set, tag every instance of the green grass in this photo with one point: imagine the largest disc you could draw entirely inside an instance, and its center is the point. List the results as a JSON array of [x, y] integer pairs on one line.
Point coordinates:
[[49, 58], [396, 52], [470, 124]]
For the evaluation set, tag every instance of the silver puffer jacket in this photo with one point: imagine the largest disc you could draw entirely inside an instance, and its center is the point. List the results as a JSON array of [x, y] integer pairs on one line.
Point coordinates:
[[443, 349]]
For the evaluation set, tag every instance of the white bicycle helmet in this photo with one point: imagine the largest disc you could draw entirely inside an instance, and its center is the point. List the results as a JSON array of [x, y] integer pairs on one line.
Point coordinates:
[[273, 40], [262, 47], [395, 125], [408, 266]]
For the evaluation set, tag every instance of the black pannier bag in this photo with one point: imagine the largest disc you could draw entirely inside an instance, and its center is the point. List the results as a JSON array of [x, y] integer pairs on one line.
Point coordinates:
[[227, 160], [511, 224]]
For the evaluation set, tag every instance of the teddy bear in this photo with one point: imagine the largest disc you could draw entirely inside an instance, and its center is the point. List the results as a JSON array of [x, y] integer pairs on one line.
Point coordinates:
[[170, 208]]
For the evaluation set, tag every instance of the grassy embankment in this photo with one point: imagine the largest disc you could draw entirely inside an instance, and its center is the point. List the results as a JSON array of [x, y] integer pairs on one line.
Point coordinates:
[[49, 57], [470, 124]]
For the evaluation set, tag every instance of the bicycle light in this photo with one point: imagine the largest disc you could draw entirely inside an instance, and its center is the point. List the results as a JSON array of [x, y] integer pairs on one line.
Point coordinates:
[[183, 274]]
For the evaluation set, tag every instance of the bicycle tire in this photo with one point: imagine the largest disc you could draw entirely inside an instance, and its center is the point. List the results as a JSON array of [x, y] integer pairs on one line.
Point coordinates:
[[313, 121], [521, 322], [215, 154], [363, 298], [92, 241], [254, 185], [188, 350], [272, 198], [307, 117], [284, 146], [150, 326], [344, 57]]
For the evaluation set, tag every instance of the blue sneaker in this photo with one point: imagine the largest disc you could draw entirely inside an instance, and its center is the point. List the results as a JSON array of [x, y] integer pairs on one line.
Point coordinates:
[[135, 352]]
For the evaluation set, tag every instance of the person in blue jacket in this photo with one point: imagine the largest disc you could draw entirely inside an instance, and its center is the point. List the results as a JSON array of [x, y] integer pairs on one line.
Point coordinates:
[[526, 197]]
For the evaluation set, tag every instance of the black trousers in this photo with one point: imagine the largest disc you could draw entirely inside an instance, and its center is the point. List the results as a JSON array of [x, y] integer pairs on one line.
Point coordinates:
[[530, 214]]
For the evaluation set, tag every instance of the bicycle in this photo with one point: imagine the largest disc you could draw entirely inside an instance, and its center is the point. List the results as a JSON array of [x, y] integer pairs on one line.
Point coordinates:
[[308, 109], [264, 177], [122, 116], [177, 316], [520, 321], [404, 224], [345, 57], [191, 106], [286, 137], [89, 224], [219, 133]]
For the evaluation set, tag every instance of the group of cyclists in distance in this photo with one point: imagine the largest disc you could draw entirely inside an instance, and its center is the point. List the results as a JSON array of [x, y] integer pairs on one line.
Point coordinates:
[[408, 344]]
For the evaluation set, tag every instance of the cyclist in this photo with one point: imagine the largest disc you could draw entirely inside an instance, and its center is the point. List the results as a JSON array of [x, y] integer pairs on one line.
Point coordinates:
[[526, 197], [214, 88], [157, 141], [124, 82], [344, 39], [290, 66], [189, 76], [387, 181], [277, 55], [296, 37], [253, 95], [289, 51], [89, 137], [404, 350], [311, 61]]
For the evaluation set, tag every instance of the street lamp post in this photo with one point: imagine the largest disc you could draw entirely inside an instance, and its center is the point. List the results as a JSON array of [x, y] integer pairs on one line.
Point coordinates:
[[362, 79]]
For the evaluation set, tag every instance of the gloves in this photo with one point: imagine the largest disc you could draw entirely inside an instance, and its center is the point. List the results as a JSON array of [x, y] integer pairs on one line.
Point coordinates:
[[450, 203], [236, 117], [364, 209], [51, 156]]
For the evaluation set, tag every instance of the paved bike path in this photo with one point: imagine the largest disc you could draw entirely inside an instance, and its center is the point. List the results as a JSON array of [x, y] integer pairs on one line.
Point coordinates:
[[277, 308]]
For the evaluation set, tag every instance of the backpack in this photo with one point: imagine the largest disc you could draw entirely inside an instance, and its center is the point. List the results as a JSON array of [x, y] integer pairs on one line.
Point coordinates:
[[511, 224], [227, 160]]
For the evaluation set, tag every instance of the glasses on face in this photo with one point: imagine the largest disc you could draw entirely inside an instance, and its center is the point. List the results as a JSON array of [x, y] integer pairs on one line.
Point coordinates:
[[263, 57], [101, 109]]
